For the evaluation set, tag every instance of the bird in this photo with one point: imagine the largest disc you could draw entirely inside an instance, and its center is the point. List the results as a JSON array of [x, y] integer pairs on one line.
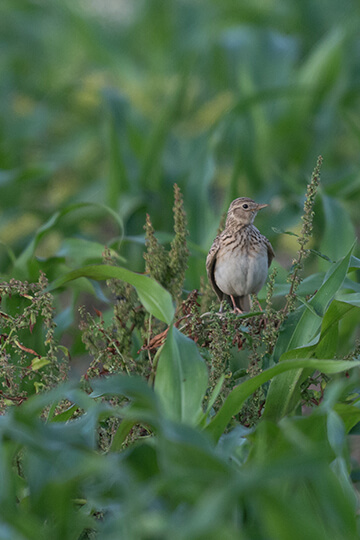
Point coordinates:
[[240, 256]]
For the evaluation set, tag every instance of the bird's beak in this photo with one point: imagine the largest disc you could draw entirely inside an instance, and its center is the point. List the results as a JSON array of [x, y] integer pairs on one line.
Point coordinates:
[[260, 206]]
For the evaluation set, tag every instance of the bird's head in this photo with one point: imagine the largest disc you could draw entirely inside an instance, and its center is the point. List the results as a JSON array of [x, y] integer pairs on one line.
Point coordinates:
[[242, 211]]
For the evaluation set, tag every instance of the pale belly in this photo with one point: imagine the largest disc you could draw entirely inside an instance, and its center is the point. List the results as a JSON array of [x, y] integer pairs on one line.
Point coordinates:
[[242, 274]]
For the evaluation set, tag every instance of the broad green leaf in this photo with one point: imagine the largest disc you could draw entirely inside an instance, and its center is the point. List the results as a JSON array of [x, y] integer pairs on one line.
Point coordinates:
[[215, 393], [69, 391], [307, 286], [336, 432], [339, 232], [336, 311], [188, 452], [24, 260], [301, 328], [64, 416], [143, 407], [354, 263], [121, 433], [134, 388], [351, 285], [152, 295], [327, 346], [351, 298], [238, 396], [309, 322], [79, 251], [350, 414], [324, 347], [181, 378]]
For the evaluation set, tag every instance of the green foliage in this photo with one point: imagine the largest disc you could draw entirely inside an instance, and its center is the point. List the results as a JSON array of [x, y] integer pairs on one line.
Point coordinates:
[[168, 268], [176, 441], [153, 297], [277, 481], [27, 331], [298, 332], [104, 112], [305, 235], [123, 102], [181, 378]]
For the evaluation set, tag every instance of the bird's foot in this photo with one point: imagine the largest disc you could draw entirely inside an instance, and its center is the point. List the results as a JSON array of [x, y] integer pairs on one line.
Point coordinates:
[[236, 309]]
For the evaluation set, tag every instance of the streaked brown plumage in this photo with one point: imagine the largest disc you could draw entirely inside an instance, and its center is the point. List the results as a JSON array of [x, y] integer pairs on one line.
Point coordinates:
[[238, 261]]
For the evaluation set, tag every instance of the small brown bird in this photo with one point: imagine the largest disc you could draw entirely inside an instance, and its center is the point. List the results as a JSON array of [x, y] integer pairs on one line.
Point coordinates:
[[238, 261]]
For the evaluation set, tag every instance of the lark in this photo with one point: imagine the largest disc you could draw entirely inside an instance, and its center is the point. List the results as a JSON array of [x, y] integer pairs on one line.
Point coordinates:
[[238, 261]]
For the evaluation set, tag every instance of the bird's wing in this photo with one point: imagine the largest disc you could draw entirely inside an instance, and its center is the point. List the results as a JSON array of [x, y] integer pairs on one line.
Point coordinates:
[[210, 266], [270, 251]]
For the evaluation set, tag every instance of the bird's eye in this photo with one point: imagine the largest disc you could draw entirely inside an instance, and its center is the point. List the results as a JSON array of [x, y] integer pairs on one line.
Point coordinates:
[[245, 206]]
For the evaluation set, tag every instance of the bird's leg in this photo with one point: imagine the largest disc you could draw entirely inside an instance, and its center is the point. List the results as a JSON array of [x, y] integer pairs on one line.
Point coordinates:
[[258, 303], [236, 309]]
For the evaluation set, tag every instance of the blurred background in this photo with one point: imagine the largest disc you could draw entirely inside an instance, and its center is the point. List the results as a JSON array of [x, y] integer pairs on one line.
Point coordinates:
[[111, 102]]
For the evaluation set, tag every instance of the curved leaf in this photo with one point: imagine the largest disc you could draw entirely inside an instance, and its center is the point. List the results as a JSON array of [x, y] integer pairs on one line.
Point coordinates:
[[181, 378], [152, 295], [24, 259], [237, 397]]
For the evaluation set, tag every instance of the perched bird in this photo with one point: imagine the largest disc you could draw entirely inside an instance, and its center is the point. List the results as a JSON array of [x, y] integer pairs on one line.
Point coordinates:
[[238, 261]]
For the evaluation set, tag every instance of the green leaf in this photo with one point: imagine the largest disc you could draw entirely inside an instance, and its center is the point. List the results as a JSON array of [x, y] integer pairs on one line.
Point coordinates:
[[303, 324], [64, 416], [324, 62], [121, 433], [354, 263], [351, 298], [181, 378], [307, 305], [152, 295], [278, 230], [24, 260], [38, 363], [309, 323], [79, 251], [327, 346], [321, 255], [238, 396], [151, 162], [300, 330], [339, 232], [122, 385], [306, 287], [214, 395], [117, 178], [350, 414]]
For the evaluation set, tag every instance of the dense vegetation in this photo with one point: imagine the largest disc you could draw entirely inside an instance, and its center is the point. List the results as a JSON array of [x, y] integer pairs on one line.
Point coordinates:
[[130, 407]]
